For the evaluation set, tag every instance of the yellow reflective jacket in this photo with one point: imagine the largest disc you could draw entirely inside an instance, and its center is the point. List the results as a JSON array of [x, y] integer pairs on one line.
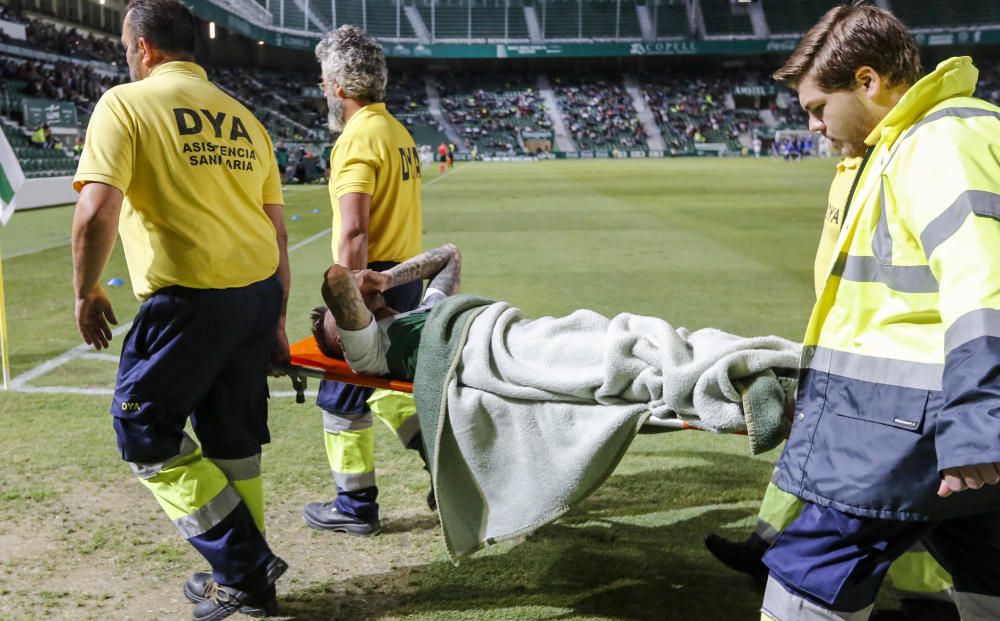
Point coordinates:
[[901, 361]]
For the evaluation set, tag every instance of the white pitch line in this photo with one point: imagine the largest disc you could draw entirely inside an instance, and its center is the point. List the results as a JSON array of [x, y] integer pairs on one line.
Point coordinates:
[[64, 390], [445, 176], [24, 253], [284, 394], [309, 240], [93, 355], [58, 361], [79, 390]]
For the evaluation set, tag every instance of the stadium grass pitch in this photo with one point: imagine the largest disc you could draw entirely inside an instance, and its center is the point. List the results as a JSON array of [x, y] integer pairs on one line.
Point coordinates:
[[699, 242]]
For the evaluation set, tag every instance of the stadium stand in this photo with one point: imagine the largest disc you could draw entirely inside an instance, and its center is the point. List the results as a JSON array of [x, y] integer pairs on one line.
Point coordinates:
[[490, 112], [406, 98], [935, 14], [53, 82], [594, 20], [725, 19], [70, 42], [794, 16], [600, 113], [670, 18], [383, 18], [692, 110], [474, 20]]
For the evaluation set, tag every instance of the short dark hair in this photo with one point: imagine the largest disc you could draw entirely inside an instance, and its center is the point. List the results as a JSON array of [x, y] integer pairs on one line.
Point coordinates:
[[848, 37], [318, 315], [168, 25]]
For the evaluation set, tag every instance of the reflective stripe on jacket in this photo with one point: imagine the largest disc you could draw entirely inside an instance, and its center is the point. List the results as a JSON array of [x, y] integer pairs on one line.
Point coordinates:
[[901, 360]]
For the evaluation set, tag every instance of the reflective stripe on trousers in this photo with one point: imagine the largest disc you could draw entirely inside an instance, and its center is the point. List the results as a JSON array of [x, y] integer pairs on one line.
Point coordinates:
[[350, 438], [781, 605], [193, 492], [245, 477], [976, 607], [352, 458]]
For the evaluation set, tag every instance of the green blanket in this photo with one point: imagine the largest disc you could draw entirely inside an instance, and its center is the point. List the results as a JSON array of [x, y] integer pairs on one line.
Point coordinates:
[[525, 418]]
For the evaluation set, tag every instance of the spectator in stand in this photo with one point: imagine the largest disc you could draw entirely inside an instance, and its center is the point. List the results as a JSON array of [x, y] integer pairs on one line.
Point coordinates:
[[50, 139], [38, 137]]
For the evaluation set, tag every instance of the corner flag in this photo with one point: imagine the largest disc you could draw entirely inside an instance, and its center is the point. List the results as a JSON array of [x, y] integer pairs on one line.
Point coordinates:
[[11, 180]]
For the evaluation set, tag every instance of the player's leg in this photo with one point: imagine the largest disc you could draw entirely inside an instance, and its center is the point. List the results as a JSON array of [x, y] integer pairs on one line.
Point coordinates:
[[830, 565]]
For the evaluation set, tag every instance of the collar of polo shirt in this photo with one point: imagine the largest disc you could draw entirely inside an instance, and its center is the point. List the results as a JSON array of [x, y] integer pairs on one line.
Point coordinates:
[[179, 66]]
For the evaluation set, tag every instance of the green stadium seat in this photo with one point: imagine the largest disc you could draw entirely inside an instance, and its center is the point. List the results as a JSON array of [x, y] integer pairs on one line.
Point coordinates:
[[670, 18], [947, 13], [723, 18], [795, 16]]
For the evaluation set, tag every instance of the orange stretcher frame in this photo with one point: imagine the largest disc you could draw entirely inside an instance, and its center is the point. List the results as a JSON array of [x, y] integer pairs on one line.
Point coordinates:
[[307, 360], [307, 356]]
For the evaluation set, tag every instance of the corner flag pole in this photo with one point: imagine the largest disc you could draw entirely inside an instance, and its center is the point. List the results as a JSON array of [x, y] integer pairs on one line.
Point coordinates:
[[11, 180], [4, 350]]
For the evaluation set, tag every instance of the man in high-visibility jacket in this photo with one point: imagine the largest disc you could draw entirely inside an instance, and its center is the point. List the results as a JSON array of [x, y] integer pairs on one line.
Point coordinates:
[[924, 588], [896, 439]]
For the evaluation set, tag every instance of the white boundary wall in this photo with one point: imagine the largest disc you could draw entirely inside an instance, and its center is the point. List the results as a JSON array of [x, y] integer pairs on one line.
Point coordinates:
[[45, 192]]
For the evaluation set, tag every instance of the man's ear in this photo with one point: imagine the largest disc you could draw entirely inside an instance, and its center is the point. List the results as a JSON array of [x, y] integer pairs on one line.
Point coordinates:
[[869, 80], [148, 55], [340, 92]]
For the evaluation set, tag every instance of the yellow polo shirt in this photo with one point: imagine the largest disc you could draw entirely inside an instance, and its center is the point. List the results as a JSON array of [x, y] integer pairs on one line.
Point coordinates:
[[375, 155], [196, 168], [836, 210]]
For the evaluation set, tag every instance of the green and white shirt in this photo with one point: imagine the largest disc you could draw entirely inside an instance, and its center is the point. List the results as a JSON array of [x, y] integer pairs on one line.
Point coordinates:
[[389, 346]]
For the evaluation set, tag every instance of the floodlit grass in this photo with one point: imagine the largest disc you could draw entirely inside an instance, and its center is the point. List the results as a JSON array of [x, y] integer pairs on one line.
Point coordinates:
[[700, 242]]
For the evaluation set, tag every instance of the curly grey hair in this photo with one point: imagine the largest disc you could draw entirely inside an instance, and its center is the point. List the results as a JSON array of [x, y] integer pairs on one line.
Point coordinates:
[[353, 59]]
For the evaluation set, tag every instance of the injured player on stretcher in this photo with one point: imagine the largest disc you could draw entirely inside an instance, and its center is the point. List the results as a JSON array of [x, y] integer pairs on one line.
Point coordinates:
[[523, 418]]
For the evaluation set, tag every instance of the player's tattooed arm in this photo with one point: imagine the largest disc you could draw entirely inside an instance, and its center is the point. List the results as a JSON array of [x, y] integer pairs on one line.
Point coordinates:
[[449, 278], [343, 298], [425, 265]]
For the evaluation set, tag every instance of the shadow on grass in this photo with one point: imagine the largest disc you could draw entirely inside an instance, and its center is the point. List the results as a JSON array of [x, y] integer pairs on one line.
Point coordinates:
[[632, 551]]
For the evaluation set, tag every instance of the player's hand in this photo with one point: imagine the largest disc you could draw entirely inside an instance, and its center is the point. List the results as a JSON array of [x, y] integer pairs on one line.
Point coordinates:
[[968, 477], [281, 356], [94, 318], [374, 301], [370, 281]]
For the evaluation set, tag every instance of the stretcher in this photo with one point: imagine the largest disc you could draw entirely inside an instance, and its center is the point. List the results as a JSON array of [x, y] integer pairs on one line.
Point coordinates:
[[308, 361]]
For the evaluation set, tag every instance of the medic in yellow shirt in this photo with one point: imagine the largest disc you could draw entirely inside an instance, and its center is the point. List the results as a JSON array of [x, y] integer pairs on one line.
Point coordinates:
[[375, 193], [187, 175]]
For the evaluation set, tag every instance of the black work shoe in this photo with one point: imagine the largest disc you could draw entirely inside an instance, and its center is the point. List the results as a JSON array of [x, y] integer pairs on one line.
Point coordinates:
[[743, 556], [216, 601], [200, 585], [324, 516]]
